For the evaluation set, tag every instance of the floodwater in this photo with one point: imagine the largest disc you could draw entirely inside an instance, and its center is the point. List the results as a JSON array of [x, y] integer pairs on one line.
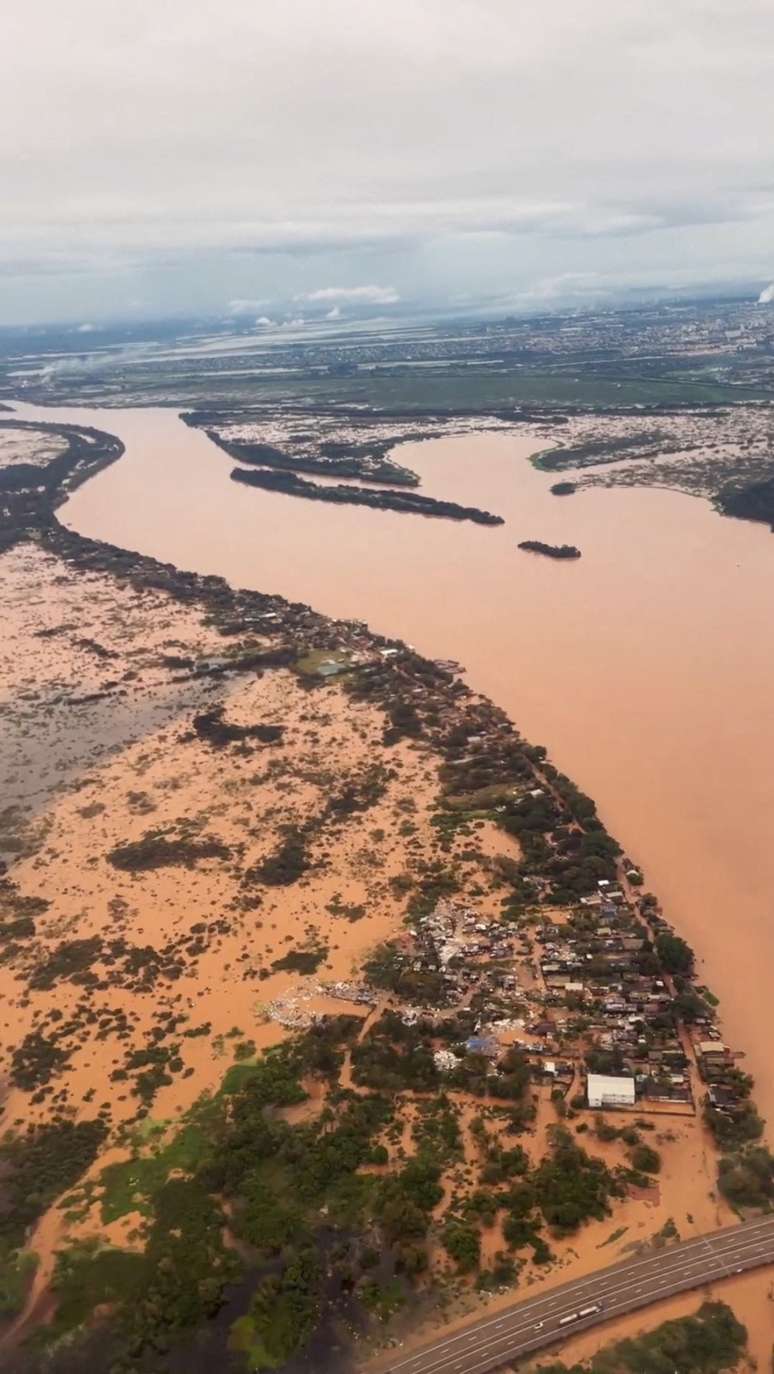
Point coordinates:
[[646, 667]]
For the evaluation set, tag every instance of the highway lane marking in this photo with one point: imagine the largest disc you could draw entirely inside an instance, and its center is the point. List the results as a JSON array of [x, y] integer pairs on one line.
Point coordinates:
[[672, 1260], [617, 1291], [488, 1351], [539, 1342]]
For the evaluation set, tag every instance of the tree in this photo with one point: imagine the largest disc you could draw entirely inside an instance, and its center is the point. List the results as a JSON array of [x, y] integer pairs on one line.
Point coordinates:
[[675, 955], [645, 1159], [463, 1242]]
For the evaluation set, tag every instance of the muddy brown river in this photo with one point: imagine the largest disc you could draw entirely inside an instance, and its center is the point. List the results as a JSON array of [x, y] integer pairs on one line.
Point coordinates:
[[646, 667]]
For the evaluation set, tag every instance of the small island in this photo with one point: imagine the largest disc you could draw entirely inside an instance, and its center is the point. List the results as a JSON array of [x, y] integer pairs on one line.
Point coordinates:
[[550, 550], [383, 499], [563, 488]]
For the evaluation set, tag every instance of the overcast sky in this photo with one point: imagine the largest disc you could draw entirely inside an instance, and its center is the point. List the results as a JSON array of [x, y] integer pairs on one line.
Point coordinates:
[[180, 155]]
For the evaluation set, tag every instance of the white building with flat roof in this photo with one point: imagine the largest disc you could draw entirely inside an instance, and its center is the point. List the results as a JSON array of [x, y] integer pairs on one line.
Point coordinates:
[[604, 1090]]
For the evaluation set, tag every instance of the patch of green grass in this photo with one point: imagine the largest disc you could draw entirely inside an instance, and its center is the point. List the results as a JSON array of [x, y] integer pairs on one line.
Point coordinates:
[[324, 663], [89, 1274], [17, 1269], [236, 1078], [130, 1185]]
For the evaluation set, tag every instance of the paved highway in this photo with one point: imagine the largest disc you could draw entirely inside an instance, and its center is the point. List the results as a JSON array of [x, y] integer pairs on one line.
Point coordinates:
[[559, 1313]]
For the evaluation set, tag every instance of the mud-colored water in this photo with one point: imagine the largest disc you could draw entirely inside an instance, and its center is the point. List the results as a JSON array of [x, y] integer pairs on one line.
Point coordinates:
[[647, 667]]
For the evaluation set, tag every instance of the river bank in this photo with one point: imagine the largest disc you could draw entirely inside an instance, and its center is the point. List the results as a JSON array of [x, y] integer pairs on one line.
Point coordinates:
[[630, 665], [183, 812]]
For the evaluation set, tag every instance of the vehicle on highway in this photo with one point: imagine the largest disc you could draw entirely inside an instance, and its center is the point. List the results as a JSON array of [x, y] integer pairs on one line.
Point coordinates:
[[571, 1317], [590, 1311], [538, 1326]]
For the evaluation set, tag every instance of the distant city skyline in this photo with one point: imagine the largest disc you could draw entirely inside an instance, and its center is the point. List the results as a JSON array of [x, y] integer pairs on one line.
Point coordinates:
[[276, 162]]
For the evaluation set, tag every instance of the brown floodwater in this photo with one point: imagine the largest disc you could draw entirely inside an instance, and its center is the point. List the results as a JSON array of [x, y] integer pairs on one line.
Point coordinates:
[[646, 667]]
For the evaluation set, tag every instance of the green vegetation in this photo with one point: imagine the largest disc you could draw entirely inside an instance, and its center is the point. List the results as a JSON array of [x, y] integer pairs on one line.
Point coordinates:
[[560, 551], [212, 727], [675, 955], [282, 1314], [17, 1270], [504, 1273], [292, 485], [596, 451], [40, 1165], [736, 1126], [387, 967], [36, 1061], [285, 1187], [746, 1178], [752, 502], [571, 1186], [645, 1159], [323, 663], [156, 850], [394, 1056], [301, 960], [707, 1343], [70, 960], [463, 1243], [285, 866]]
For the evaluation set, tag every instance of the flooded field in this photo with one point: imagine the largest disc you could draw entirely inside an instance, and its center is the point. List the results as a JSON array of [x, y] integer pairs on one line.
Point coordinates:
[[646, 667]]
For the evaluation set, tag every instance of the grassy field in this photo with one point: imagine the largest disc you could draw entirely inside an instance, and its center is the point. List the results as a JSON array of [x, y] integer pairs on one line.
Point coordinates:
[[414, 389]]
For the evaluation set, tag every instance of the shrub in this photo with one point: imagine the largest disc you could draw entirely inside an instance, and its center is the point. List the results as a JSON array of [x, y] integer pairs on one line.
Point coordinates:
[[645, 1159]]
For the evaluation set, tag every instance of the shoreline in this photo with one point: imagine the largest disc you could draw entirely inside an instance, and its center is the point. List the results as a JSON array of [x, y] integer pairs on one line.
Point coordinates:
[[244, 609]]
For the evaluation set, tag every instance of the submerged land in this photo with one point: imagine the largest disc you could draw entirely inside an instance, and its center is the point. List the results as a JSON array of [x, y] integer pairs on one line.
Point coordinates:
[[312, 969]]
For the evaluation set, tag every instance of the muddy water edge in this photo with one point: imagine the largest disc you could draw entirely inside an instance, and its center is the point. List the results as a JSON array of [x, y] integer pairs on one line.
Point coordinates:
[[646, 667]]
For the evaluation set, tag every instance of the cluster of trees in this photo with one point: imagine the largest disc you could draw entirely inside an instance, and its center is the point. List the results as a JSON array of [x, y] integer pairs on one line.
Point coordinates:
[[581, 860], [36, 1167], [395, 1056], [36, 1060], [277, 1180], [306, 960], [404, 1201], [746, 1178], [39, 1165], [292, 485], [550, 550], [753, 502], [707, 1343], [462, 1242], [674, 954], [212, 727], [283, 1312], [571, 1186], [387, 967], [285, 865], [157, 850], [735, 1125]]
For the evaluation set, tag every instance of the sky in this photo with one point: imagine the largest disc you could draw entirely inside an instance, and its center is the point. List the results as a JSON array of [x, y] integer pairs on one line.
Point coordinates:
[[278, 159]]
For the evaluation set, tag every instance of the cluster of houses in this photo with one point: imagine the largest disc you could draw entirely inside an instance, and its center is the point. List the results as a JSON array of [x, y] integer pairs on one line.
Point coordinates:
[[581, 993], [727, 1089], [592, 965]]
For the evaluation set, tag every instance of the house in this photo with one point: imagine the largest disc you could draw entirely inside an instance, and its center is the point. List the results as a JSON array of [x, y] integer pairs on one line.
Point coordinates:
[[604, 1090], [482, 1044]]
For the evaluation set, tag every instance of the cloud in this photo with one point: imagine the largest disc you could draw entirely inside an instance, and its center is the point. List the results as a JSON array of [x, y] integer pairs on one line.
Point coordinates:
[[631, 163], [356, 295], [238, 308], [333, 314], [767, 295]]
